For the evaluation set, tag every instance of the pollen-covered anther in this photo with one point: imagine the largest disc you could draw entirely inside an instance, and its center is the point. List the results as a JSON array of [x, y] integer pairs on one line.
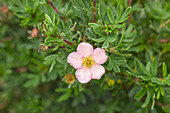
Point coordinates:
[[88, 62]]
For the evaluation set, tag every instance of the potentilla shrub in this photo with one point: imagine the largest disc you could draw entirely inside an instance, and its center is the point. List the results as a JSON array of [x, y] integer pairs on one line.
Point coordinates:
[[100, 55]]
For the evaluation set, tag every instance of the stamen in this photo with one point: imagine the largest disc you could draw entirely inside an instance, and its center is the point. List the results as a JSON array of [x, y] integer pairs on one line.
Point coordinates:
[[88, 62]]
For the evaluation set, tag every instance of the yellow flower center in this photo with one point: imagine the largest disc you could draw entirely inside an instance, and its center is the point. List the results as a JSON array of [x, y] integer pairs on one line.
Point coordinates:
[[88, 62]]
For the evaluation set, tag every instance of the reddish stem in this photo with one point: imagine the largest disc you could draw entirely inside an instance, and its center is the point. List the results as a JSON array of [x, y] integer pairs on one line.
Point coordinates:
[[94, 11], [64, 40], [52, 5], [130, 15]]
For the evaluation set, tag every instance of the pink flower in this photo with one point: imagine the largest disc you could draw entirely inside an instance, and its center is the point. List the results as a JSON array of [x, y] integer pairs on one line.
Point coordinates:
[[87, 62]]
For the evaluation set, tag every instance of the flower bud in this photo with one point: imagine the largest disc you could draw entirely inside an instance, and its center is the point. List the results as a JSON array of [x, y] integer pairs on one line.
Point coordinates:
[[4, 9], [69, 78], [44, 48], [34, 33]]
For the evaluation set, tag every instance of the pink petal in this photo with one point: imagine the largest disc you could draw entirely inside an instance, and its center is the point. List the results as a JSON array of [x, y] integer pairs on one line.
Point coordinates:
[[83, 75], [97, 71], [85, 49], [99, 56], [75, 60]]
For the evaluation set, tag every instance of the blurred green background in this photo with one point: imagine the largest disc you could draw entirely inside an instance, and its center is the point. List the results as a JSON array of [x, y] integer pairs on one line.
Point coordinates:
[[26, 86]]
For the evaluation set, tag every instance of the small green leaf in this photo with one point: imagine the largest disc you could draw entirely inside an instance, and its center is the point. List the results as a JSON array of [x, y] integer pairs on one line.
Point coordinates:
[[118, 11], [145, 70], [65, 96], [148, 66], [137, 65], [99, 39], [119, 62], [116, 68], [140, 94], [127, 12], [164, 69], [48, 19], [162, 91], [158, 95], [110, 65], [111, 39], [93, 25], [110, 15], [106, 44], [154, 67], [156, 80], [153, 103], [167, 81], [146, 100], [100, 31]]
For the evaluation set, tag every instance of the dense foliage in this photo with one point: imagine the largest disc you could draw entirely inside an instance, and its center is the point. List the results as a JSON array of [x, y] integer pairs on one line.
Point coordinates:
[[36, 37]]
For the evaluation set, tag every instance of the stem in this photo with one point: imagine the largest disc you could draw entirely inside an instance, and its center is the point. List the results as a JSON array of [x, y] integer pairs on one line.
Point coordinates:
[[130, 15], [162, 105], [52, 5], [64, 40], [41, 36], [94, 11]]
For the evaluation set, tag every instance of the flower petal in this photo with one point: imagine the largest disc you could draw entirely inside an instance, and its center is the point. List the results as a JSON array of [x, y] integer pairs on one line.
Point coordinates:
[[83, 75], [75, 60], [97, 71], [99, 56], [85, 49]]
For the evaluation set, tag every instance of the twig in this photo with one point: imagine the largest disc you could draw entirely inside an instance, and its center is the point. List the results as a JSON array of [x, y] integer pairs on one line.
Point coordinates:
[[56, 10], [52, 5], [162, 105], [64, 40], [94, 11], [130, 15], [6, 39], [164, 23]]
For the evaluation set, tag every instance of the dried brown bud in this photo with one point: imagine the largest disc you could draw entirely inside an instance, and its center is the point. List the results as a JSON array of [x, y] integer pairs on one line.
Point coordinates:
[[44, 48], [34, 33], [69, 78], [4, 9]]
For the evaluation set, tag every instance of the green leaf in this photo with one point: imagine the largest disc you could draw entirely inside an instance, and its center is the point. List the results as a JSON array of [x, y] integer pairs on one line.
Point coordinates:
[[99, 31], [106, 44], [110, 15], [158, 95], [127, 12], [18, 3], [94, 25], [162, 91], [119, 62], [111, 39], [146, 100], [154, 67], [48, 19], [145, 78], [156, 80], [121, 38], [61, 89], [167, 81], [153, 103], [65, 96], [164, 69], [116, 68], [145, 70], [110, 65], [33, 82], [99, 39], [118, 12], [137, 65], [148, 66], [140, 94]]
